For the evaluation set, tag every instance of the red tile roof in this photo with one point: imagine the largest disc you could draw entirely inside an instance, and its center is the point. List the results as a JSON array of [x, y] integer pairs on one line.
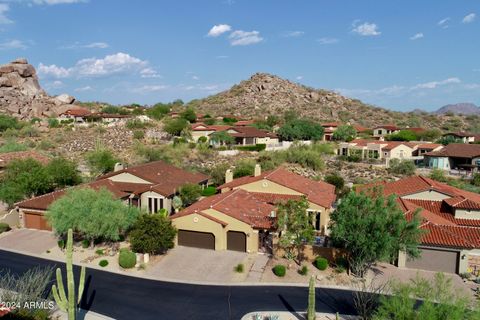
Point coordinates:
[[204, 127], [77, 112], [239, 204], [6, 158], [244, 123], [460, 150], [317, 192], [388, 127], [429, 146], [251, 132], [331, 124], [451, 236]]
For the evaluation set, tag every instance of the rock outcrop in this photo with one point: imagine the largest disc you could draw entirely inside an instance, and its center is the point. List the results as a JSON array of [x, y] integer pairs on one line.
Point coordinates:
[[21, 95]]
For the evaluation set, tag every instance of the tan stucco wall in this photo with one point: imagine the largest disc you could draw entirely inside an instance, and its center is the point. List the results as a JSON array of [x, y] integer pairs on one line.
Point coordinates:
[[198, 134], [167, 203], [427, 195], [196, 222], [127, 177], [466, 214], [396, 152]]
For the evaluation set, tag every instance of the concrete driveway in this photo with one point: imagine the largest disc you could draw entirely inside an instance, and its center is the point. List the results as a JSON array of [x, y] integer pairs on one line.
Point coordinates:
[[28, 240], [193, 264]]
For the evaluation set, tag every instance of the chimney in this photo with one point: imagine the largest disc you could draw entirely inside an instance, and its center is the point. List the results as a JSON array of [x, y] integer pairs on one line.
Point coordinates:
[[228, 176], [118, 166], [257, 171]]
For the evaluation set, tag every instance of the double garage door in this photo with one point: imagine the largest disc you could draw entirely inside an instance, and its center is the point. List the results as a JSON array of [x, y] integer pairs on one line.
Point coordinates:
[[436, 260], [35, 221], [236, 241]]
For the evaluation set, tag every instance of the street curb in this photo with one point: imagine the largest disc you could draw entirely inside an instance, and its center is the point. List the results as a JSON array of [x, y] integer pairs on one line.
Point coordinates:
[[201, 283]]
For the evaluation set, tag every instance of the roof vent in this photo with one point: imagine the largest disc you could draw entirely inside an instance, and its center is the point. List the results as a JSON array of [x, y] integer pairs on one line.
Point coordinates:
[[273, 214]]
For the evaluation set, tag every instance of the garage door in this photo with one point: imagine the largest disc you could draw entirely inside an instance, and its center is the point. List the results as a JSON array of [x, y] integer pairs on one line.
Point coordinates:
[[196, 239], [435, 260], [36, 221], [236, 241]]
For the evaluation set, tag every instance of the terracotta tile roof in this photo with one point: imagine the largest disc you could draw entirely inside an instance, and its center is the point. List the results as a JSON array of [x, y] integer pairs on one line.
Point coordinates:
[[360, 128], [318, 192], [238, 204], [429, 146], [6, 158], [331, 124], [416, 130], [463, 135], [77, 112], [251, 132], [244, 123], [275, 198], [165, 178], [388, 127], [451, 236], [42, 202], [204, 127], [461, 150]]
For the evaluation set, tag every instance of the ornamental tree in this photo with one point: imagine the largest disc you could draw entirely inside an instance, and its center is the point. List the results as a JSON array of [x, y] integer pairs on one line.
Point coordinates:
[[153, 234], [296, 227], [301, 129], [373, 228], [93, 213], [344, 133]]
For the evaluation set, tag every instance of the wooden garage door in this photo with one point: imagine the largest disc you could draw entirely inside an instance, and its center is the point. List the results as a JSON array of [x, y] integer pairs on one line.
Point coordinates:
[[435, 260], [36, 221], [196, 239], [236, 241]]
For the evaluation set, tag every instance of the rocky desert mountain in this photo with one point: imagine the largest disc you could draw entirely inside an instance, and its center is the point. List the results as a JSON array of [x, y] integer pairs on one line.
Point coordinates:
[[465, 108], [21, 95], [265, 94]]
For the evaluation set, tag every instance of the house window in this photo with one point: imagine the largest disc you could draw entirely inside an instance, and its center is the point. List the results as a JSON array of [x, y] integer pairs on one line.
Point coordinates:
[[154, 204], [317, 221]]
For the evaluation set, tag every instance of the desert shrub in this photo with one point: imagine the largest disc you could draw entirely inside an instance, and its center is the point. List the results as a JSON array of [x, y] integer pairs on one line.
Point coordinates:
[[336, 180], [103, 263], [279, 270], [239, 268], [341, 262], [476, 180], [53, 123], [45, 145], [303, 270], [4, 227], [175, 127], [8, 122], [217, 173], [101, 160], [209, 191], [100, 252], [85, 243], [403, 167], [127, 259], [202, 139], [189, 193], [438, 175], [61, 244], [243, 168], [321, 263], [136, 124], [153, 234], [138, 134], [10, 133], [11, 145]]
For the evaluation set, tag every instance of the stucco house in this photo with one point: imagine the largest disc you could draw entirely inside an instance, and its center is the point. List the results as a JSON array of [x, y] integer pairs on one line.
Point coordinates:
[[203, 130], [450, 218], [243, 135], [242, 217], [77, 115], [454, 156], [150, 186], [383, 130], [465, 137]]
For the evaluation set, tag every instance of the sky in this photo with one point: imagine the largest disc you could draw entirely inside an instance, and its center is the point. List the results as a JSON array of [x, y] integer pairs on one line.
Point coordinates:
[[399, 55]]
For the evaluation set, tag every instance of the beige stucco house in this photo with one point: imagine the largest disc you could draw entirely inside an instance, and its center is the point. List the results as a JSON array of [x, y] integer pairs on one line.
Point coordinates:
[[450, 218], [384, 130], [150, 186], [242, 135], [242, 217]]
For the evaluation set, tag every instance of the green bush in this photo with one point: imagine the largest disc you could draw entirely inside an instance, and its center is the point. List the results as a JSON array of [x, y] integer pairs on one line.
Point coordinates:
[[7, 122], [258, 147], [403, 167], [153, 234], [4, 227], [53, 123], [103, 263], [341, 262], [239, 268], [303, 270], [209, 191], [127, 259], [202, 139], [321, 263], [100, 252], [279, 270], [61, 244], [135, 124], [138, 134], [85, 243]]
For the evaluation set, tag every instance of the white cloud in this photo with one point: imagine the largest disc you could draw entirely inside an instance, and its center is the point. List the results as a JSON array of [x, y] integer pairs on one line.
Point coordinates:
[[53, 71], [196, 78], [54, 2], [54, 85], [4, 8], [299, 77], [417, 36], [435, 84], [444, 23], [327, 41], [83, 89], [244, 38], [218, 30], [149, 73], [13, 44], [469, 18], [149, 88], [293, 34], [365, 29], [93, 67]]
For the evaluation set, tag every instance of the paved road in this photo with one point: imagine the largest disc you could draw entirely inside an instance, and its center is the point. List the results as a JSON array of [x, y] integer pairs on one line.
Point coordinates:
[[124, 297]]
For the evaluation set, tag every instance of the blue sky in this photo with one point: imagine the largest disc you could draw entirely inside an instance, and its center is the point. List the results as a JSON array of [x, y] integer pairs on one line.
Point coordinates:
[[396, 54]]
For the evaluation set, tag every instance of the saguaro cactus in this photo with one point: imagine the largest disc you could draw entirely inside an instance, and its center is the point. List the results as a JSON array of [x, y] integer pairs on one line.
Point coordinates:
[[311, 314], [69, 304]]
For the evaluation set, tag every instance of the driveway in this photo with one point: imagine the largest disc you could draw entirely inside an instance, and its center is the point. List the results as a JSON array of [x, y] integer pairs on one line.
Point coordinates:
[[28, 240], [193, 264]]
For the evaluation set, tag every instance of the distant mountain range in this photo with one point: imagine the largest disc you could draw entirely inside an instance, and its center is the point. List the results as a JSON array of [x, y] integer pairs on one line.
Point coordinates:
[[464, 108]]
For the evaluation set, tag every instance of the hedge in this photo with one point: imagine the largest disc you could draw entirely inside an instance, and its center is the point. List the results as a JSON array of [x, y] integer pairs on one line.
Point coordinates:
[[209, 191], [321, 263], [279, 270], [103, 263], [127, 259], [258, 147]]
